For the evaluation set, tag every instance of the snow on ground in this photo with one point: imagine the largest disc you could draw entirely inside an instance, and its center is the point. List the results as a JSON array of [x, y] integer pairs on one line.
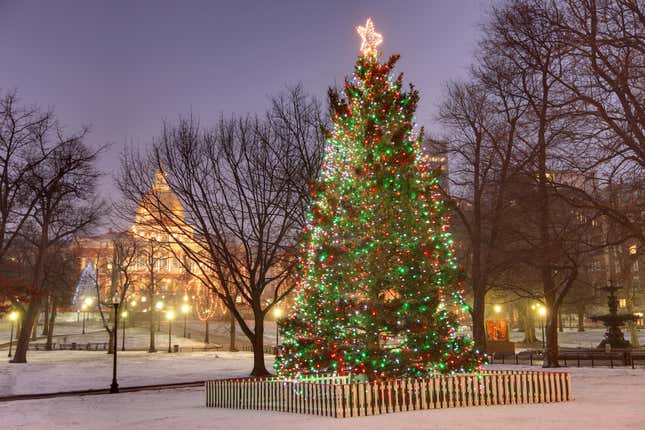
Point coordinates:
[[604, 399], [69, 331], [53, 371], [572, 338]]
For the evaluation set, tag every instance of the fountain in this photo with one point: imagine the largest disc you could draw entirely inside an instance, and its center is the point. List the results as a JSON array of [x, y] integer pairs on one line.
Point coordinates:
[[614, 336]]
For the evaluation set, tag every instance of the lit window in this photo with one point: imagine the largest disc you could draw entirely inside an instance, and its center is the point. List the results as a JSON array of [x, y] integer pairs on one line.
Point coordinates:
[[622, 303], [633, 249]]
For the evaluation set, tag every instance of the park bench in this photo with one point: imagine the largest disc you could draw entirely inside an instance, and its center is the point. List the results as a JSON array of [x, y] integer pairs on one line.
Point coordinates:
[[211, 347]]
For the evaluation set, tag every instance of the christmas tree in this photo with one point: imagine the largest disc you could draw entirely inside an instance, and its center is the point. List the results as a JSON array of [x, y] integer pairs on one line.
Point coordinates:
[[379, 293]]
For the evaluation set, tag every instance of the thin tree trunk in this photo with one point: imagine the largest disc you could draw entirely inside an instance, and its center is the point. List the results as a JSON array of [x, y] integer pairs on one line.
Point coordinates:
[[581, 318], [631, 325], [232, 333], [151, 328], [206, 335], [48, 301], [479, 329], [50, 324], [34, 329]]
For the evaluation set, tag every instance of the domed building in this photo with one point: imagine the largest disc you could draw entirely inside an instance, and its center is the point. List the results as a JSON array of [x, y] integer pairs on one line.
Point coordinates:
[[157, 272]]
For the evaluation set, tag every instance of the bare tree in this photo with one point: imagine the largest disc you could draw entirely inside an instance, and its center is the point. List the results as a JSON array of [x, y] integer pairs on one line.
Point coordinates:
[[152, 253], [245, 193], [63, 185], [483, 119], [606, 70], [116, 280], [529, 43], [62, 275], [20, 152], [604, 83], [206, 307]]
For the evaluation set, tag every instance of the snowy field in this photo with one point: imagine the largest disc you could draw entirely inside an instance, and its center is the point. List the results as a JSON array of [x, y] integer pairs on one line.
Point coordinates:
[[604, 399], [53, 371], [572, 338], [137, 337]]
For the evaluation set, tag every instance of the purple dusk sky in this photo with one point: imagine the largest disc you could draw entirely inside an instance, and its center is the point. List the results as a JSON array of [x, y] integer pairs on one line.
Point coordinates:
[[123, 67]]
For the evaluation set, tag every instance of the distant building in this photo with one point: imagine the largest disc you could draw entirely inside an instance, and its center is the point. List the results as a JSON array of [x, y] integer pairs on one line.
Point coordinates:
[[157, 249], [437, 155]]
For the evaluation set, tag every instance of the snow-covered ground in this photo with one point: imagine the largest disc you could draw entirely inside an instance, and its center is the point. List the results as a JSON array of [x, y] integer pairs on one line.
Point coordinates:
[[604, 399], [53, 371], [571, 338], [69, 331]]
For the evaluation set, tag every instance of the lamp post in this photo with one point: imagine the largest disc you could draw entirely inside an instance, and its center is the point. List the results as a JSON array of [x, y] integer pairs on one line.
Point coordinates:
[[170, 315], [185, 308], [277, 313], [114, 387], [87, 303], [124, 315], [542, 311], [13, 316], [84, 309]]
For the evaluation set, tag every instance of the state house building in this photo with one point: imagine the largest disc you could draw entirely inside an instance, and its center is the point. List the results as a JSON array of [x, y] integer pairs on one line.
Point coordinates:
[[157, 258]]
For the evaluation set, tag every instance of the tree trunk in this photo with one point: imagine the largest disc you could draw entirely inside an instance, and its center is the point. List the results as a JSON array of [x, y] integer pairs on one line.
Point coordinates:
[[231, 334], [631, 325], [45, 331], [259, 368], [34, 328], [551, 351], [50, 324], [529, 327], [479, 328], [20, 356], [151, 328], [206, 335], [581, 318]]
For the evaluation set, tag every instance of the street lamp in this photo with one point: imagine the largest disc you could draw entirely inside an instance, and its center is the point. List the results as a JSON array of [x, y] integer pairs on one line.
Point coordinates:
[[497, 309], [13, 316], [87, 304], [542, 311], [185, 308], [114, 387], [170, 315], [124, 315], [277, 313], [84, 309]]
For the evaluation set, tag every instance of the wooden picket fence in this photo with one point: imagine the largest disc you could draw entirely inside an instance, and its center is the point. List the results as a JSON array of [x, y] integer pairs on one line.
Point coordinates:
[[338, 397]]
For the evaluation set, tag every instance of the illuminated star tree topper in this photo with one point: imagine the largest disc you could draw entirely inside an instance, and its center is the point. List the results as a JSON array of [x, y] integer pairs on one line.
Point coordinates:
[[370, 39]]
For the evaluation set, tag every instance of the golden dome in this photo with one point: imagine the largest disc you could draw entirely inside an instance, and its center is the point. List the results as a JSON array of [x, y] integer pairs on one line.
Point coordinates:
[[159, 203]]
